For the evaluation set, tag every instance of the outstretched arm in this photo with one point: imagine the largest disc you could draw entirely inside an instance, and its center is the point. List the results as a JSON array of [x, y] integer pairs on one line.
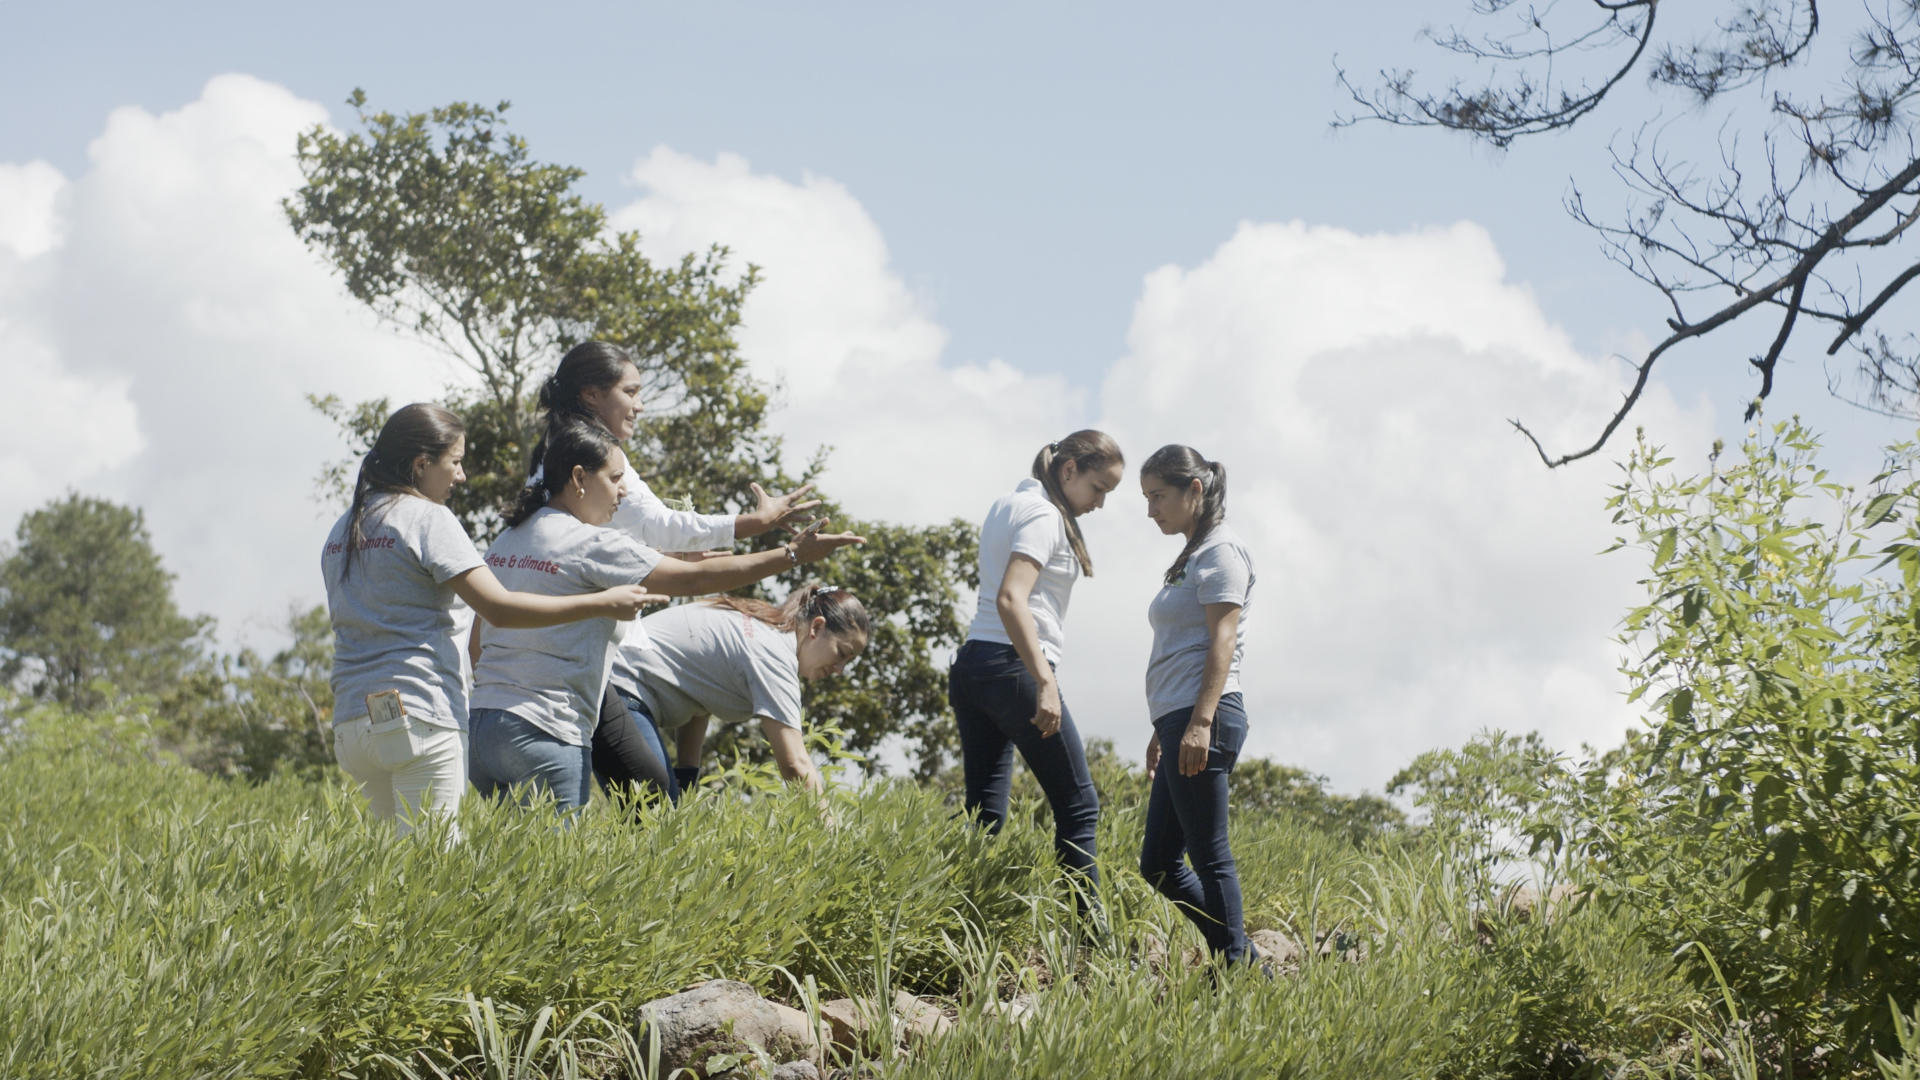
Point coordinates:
[[505, 608]]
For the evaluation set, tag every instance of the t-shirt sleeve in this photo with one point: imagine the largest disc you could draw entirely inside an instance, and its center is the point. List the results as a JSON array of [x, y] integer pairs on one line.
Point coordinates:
[[1036, 531], [774, 682], [1222, 574], [445, 548], [614, 558]]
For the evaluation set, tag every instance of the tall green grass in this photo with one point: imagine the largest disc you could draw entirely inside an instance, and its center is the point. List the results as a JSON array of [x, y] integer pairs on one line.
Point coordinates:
[[157, 923]]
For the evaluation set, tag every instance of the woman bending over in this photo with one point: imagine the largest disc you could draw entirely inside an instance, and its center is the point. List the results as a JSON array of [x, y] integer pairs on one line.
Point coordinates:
[[733, 658], [537, 693]]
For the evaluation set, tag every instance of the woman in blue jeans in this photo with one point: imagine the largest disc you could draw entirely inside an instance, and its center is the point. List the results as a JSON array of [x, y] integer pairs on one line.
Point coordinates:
[[537, 693], [1193, 694], [1002, 685]]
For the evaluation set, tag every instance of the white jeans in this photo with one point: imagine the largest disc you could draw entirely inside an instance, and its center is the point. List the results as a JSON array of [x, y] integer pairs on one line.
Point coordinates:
[[429, 780]]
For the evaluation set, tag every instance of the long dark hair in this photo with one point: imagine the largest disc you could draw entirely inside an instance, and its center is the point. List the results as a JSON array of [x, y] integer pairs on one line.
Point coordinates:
[[413, 430], [843, 611], [1087, 449], [590, 365], [1177, 467], [569, 442]]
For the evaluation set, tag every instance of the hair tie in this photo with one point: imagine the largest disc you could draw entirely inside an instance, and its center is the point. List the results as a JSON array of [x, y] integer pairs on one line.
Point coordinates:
[[822, 590], [1053, 447]]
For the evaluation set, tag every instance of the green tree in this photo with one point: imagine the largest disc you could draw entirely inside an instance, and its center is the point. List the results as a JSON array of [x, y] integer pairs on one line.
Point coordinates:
[[1771, 814], [446, 227], [85, 604], [252, 716]]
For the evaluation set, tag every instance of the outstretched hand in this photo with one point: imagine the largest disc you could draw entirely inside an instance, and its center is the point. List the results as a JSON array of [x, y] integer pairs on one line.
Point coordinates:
[[777, 511], [811, 545], [625, 601]]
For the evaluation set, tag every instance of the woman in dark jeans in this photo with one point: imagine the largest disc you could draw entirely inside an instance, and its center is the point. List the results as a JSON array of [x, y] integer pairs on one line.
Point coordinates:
[[1002, 684], [1193, 695]]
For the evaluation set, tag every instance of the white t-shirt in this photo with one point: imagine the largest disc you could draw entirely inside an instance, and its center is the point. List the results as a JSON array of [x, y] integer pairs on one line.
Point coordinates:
[[393, 621], [553, 677], [1220, 571], [1025, 522], [714, 661]]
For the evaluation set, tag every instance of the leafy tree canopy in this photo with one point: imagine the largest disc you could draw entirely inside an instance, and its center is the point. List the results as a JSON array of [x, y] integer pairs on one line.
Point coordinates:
[[86, 604]]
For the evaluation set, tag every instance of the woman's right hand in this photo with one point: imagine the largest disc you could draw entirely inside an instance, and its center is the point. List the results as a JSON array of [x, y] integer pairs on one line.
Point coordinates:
[[625, 601], [812, 546], [1153, 753], [1046, 712]]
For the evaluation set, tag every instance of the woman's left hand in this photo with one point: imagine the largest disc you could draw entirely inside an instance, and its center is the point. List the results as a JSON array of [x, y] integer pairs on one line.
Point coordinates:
[[1195, 743], [777, 511]]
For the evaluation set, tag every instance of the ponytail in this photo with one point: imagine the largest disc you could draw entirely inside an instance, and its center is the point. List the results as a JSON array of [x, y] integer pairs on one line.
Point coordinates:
[[1178, 467], [569, 442], [842, 610], [1087, 449], [420, 428]]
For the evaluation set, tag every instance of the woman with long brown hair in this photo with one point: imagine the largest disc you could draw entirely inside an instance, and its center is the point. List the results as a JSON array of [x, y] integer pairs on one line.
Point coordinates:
[[394, 564], [1193, 696], [1002, 686]]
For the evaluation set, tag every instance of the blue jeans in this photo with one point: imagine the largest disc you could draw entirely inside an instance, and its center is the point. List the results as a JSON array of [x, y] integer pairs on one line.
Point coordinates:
[[628, 753], [993, 697], [507, 753], [1187, 815]]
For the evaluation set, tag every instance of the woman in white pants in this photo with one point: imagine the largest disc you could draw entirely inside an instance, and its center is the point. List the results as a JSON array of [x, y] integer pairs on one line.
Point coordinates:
[[393, 565]]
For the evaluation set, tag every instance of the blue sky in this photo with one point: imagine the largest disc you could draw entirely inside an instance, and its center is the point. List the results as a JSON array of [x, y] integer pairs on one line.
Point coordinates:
[[981, 227]]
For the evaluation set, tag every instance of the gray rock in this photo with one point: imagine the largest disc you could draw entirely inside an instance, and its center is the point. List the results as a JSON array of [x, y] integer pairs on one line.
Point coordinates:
[[723, 1017], [919, 1020], [1277, 952], [794, 1070]]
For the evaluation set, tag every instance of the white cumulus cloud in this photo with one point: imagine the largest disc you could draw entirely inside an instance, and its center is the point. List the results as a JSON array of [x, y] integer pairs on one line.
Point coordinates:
[[1422, 575], [170, 338], [29, 208]]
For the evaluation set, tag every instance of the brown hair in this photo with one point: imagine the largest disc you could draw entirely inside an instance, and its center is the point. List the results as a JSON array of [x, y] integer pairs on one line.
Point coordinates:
[[590, 365], [413, 430], [1177, 467], [1087, 449], [570, 441], [843, 611]]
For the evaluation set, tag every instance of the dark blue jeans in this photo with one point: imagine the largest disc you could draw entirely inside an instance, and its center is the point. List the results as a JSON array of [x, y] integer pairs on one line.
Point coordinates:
[[993, 697], [628, 753], [1187, 815]]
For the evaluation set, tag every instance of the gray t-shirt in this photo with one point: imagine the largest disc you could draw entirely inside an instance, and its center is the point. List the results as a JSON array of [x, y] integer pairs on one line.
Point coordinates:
[[553, 677], [714, 661], [393, 623], [1220, 571], [1025, 522]]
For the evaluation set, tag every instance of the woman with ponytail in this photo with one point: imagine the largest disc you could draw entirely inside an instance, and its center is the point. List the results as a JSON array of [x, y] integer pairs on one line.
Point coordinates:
[[733, 658], [537, 694], [393, 565], [1002, 684], [1193, 695], [598, 381]]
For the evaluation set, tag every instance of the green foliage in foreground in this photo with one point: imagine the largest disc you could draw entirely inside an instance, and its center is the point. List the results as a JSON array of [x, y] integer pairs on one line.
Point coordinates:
[[160, 922], [1771, 816]]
